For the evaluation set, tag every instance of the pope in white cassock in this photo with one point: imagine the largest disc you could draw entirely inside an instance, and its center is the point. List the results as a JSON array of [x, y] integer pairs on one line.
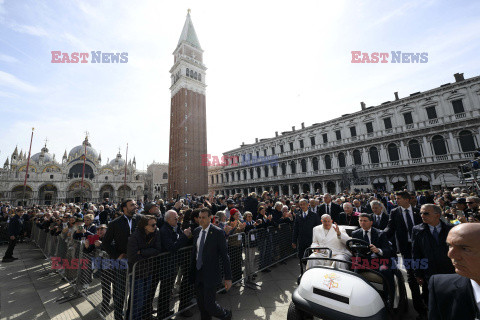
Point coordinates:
[[331, 236]]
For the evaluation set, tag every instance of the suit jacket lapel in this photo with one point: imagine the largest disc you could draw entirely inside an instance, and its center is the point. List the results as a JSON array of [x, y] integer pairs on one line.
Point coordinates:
[[195, 239], [208, 237], [465, 296], [373, 236], [402, 219], [429, 237]]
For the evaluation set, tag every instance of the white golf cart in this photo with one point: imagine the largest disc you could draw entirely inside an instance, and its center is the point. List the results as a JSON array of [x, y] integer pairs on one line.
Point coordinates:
[[331, 293]]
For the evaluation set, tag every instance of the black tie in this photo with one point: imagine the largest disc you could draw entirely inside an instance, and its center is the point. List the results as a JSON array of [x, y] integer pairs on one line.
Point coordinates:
[[365, 237], [409, 223], [328, 209]]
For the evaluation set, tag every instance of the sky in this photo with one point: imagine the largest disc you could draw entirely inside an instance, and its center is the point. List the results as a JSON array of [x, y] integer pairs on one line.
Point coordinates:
[[271, 65]]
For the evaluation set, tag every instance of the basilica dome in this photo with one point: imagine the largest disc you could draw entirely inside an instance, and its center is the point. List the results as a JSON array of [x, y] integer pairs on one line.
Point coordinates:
[[118, 161], [43, 156], [78, 151]]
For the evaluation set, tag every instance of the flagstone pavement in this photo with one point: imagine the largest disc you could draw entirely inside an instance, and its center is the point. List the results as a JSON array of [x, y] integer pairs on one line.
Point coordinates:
[[29, 290]]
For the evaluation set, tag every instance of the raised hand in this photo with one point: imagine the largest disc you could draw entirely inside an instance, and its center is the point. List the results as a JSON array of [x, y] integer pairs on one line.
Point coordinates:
[[336, 228]]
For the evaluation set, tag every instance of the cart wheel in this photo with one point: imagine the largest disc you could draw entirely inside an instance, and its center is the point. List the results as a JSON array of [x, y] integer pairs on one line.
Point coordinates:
[[294, 313]]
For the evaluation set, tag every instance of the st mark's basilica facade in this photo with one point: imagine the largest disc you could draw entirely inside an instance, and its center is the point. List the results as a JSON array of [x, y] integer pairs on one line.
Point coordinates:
[[51, 181]]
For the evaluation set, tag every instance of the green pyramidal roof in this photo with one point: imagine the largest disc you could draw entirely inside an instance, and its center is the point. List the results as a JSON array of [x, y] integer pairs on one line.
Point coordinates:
[[188, 33]]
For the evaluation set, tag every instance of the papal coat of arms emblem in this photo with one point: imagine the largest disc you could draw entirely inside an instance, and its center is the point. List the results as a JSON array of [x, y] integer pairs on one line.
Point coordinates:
[[330, 280]]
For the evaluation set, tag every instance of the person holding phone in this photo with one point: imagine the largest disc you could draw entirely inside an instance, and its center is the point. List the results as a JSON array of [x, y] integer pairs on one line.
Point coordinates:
[[93, 245], [461, 209], [80, 231]]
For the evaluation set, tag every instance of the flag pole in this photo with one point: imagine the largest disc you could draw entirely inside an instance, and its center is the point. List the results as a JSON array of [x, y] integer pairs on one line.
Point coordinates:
[[84, 160], [26, 171], [125, 176]]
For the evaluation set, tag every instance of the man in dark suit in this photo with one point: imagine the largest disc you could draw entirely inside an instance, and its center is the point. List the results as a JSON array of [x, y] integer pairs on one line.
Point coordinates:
[[173, 239], [357, 206], [421, 200], [379, 245], [15, 228], [303, 226], [115, 244], [313, 206], [457, 296], [401, 223], [380, 216], [429, 243], [209, 245], [330, 208], [377, 239]]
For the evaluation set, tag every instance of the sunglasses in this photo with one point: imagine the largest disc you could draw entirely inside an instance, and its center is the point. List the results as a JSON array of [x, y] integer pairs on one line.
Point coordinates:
[[152, 225], [469, 202]]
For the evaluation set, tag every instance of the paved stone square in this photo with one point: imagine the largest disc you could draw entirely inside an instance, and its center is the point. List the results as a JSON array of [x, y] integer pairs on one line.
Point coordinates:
[[29, 290]]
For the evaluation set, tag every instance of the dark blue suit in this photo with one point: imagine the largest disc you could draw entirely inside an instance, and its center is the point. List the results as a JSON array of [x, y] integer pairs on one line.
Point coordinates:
[[15, 228], [382, 224], [115, 243], [303, 231], [209, 276], [451, 297], [379, 240], [335, 210], [172, 241], [397, 226], [425, 247]]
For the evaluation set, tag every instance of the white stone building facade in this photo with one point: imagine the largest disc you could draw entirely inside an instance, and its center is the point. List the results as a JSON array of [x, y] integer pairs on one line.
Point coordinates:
[[50, 181], [156, 181], [416, 142]]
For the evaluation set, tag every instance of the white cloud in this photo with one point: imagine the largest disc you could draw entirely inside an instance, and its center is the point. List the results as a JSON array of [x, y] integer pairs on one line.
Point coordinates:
[[7, 58], [9, 80], [31, 30]]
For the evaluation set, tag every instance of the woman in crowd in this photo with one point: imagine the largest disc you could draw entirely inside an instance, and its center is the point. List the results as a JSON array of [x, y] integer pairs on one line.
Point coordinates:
[[264, 240], [286, 216], [89, 226], [106, 275], [143, 244], [251, 244], [235, 244]]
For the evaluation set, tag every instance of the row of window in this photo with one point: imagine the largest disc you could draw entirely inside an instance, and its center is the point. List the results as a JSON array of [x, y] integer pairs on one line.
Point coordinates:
[[387, 123], [439, 146], [466, 140]]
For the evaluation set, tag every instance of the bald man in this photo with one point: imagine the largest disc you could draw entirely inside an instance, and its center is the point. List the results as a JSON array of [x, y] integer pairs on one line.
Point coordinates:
[[457, 296]]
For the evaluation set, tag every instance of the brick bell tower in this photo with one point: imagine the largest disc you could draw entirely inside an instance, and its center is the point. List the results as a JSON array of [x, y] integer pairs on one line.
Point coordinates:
[[188, 118]]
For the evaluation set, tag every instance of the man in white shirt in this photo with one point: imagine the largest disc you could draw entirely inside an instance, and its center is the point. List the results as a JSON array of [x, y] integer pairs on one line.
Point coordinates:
[[330, 235]]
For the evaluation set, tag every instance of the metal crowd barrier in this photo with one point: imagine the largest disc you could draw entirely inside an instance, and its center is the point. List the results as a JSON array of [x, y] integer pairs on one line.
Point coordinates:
[[34, 234], [266, 247], [42, 239], [163, 281], [158, 285]]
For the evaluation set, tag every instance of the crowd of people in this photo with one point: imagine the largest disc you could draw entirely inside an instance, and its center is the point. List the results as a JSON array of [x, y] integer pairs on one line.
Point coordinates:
[[416, 225]]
